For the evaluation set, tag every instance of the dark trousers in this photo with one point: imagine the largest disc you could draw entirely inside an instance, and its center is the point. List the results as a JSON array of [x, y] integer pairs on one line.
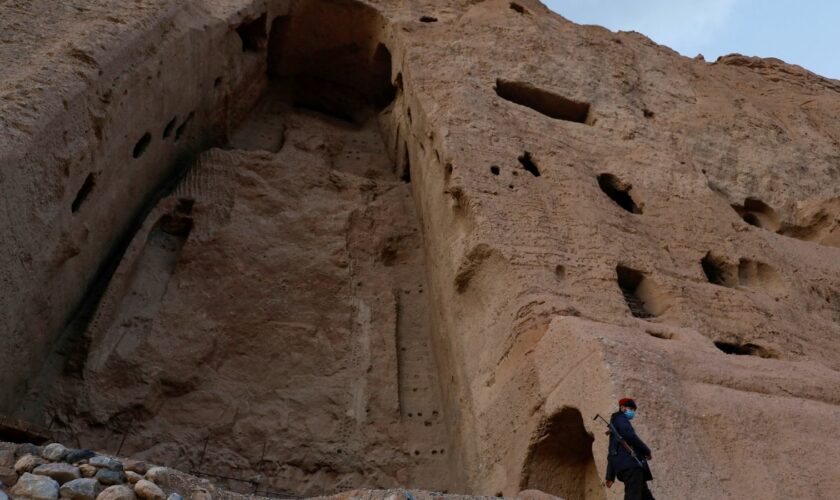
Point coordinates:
[[635, 487]]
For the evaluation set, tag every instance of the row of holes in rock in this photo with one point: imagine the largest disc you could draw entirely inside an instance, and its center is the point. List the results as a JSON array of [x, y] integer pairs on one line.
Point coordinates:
[[140, 147]]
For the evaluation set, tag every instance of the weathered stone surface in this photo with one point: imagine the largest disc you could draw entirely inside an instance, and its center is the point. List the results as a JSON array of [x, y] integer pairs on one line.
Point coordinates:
[[158, 475], [110, 477], [3, 495], [54, 452], [35, 487], [74, 456], [535, 495], [148, 490], [119, 492], [59, 471], [80, 489], [174, 496], [106, 462], [7, 458], [27, 463], [587, 214], [27, 449], [8, 476], [137, 466], [87, 470]]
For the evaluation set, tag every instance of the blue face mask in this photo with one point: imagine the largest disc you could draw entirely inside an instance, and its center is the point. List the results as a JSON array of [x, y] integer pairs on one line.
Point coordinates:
[[629, 414]]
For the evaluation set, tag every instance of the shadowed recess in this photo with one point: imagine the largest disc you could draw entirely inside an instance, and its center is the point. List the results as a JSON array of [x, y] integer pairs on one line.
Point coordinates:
[[619, 192], [543, 101], [253, 35], [330, 56], [84, 191], [757, 213], [529, 165], [560, 460], [639, 293], [142, 145], [745, 349]]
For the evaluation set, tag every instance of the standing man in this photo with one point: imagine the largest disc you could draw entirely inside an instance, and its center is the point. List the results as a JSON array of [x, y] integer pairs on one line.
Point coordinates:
[[620, 463]]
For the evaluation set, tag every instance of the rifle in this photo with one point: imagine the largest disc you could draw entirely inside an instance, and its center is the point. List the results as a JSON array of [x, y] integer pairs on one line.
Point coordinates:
[[641, 461]]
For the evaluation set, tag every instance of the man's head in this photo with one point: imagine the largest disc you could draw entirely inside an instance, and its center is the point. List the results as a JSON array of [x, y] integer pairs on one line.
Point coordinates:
[[628, 407]]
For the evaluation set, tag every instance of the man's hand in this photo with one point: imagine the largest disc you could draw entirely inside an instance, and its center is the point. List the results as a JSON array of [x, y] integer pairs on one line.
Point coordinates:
[[609, 484]]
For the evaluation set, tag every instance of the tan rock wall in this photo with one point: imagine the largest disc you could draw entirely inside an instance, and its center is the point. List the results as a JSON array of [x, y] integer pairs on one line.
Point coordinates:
[[599, 215]]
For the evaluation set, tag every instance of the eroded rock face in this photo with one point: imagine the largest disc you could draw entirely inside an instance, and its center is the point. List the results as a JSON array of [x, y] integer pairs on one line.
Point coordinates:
[[420, 244]]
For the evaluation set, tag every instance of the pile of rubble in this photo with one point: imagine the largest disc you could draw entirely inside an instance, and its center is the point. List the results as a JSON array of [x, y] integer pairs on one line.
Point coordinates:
[[54, 471]]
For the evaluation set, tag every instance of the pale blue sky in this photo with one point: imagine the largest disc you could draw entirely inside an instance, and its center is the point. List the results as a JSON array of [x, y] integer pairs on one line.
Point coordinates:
[[804, 32]]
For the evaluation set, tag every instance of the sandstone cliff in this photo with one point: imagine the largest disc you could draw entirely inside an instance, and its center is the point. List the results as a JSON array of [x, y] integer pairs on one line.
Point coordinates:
[[345, 244]]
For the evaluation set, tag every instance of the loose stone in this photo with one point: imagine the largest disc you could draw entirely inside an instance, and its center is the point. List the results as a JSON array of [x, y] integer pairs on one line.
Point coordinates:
[[27, 463], [78, 455], [80, 489], [137, 466], [7, 458], [148, 490], [87, 470], [54, 452], [117, 493], [59, 471], [102, 461], [110, 477], [35, 487], [158, 475]]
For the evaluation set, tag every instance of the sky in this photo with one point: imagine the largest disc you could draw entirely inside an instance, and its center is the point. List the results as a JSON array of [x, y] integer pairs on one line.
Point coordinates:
[[803, 32]]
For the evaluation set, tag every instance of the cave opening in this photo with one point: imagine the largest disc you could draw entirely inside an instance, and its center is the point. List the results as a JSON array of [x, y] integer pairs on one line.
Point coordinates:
[[328, 57], [543, 101], [718, 271], [560, 460], [639, 293]]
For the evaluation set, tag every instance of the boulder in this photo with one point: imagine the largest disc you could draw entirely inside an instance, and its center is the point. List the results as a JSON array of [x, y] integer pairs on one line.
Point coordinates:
[[137, 466], [59, 471], [3, 495], [132, 477], [87, 470], [148, 490], [80, 489], [27, 449], [104, 462], [54, 452], [200, 494], [172, 496], [27, 463], [35, 487], [158, 475], [117, 493], [7, 458], [8, 476], [110, 477], [74, 456]]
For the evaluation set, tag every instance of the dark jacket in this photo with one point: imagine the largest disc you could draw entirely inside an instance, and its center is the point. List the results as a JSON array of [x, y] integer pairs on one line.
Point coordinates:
[[618, 458]]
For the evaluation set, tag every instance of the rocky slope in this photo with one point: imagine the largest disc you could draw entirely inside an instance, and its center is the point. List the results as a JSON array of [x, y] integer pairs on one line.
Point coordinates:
[[338, 244]]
